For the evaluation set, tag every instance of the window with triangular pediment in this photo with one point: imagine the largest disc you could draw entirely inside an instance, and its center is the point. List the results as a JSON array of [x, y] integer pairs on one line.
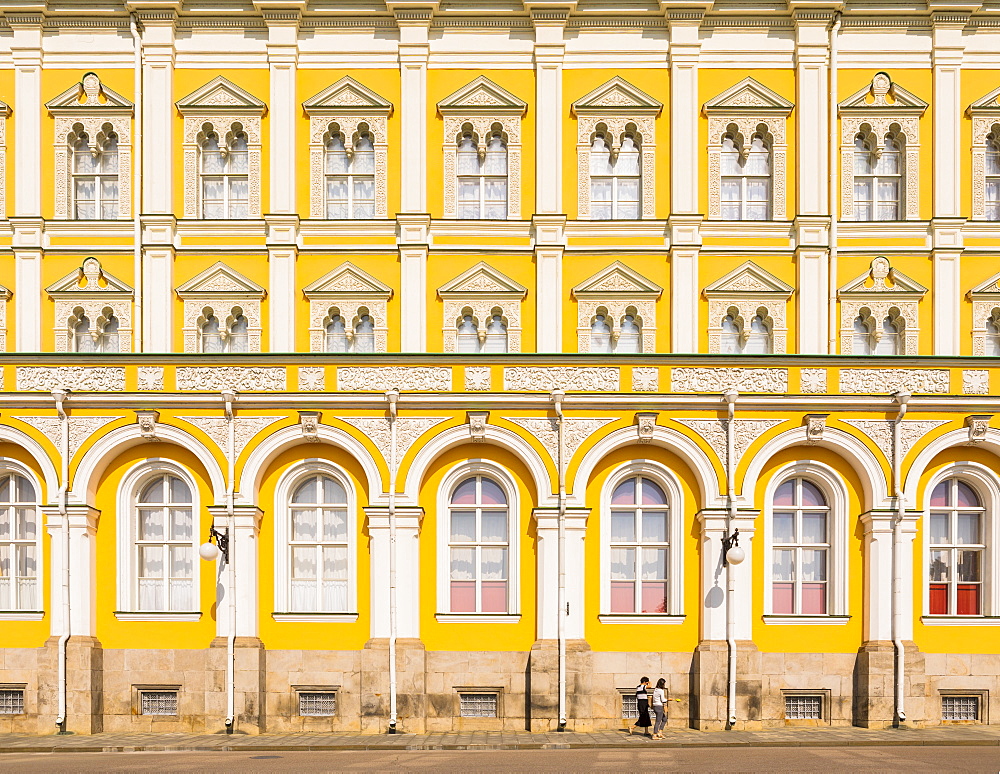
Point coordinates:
[[347, 312], [482, 312], [879, 312], [747, 312], [985, 299], [985, 113], [616, 312], [221, 311], [93, 311]]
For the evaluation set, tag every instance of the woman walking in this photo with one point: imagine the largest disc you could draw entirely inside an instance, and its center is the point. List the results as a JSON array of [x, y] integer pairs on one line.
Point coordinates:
[[659, 700], [642, 703]]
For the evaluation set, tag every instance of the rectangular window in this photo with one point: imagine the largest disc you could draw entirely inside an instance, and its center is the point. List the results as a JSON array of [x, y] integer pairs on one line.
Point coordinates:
[[478, 705], [803, 707], [158, 702], [960, 708], [12, 701], [630, 706], [317, 703]]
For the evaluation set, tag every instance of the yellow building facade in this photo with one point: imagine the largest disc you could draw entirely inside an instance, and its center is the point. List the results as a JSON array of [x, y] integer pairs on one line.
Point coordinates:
[[507, 352]]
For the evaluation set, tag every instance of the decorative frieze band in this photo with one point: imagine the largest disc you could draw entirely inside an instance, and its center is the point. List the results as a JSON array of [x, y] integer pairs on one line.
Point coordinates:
[[885, 380], [79, 378], [239, 378], [541, 379], [722, 379], [409, 378]]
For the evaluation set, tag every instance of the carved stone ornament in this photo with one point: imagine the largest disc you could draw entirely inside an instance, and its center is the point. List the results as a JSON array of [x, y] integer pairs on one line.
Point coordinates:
[[346, 109], [149, 378], [614, 292], [408, 430], [379, 379], [224, 293], [876, 294], [477, 421], [546, 379], [575, 433], [747, 109], [479, 107], [147, 420], [874, 111], [222, 107], [478, 379], [616, 110], [813, 380], [979, 425], [351, 293], [985, 114], [985, 299], [880, 381], [239, 378], [975, 382], [645, 422], [312, 379], [98, 301], [89, 112], [482, 292], [80, 429], [76, 378], [745, 432], [815, 425], [244, 429], [910, 432], [645, 379], [309, 421], [722, 379], [744, 293]]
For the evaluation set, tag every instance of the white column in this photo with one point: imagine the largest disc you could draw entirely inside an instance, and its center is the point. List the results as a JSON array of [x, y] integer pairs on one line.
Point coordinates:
[[550, 245], [157, 113], [813, 285], [82, 521], [244, 555], [549, 53], [812, 55], [948, 112], [547, 581], [413, 51], [281, 298], [946, 298], [158, 294], [26, 51], [878, 576], [27, 283], [714, 581], [685, 321], [685, 151], [282, 60], [408, 597], [413, 291]]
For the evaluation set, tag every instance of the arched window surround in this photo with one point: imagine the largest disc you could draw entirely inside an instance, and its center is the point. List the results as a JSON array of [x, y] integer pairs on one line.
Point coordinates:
[[131, 485], [986, 485], [97, 295], [668, 481], [7, 466], [506, 481], [283, 491], [876, 294], [832, 485]]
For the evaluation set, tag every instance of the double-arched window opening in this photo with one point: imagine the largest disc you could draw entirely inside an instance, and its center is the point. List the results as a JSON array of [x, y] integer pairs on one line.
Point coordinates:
[[230, 335], [99, 335], [349, 175], [355, 336], [738, 338], [746, 177], [615, 175], [470, 338], [627, 339], [225, 169], [878, 177], [481, 168], [874, 337], [95, 175]]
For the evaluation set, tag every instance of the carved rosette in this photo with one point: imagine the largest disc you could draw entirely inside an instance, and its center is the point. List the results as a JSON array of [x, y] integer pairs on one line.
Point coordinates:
[[96, 128], [482, 128], [747, 126], [149, 378], [879, 125], [587, 127], [975, 382], [319, 126], [645, 379], [812, 380], [616, 308], [885, 380], [222, 125], [478, 379], [350, 309]]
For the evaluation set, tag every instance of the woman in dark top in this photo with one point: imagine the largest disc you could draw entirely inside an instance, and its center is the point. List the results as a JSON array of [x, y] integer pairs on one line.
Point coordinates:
[[642, 702]]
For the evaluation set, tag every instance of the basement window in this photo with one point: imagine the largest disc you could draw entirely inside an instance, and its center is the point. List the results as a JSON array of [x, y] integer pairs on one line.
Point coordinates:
[[803, 707], [960, 708], [317, 704], [479, 705], [158, 702], [630, 704], [12, 701]]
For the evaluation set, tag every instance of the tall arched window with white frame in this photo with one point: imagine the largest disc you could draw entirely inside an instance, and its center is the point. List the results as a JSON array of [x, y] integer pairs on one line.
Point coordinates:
[[163, 534], [225, 168], [481, 168], [478, 547], [318, 546], [992, 172], [639, 547], [19, 542], [350, 175], [746, 177], [615, 175], [878, 177], [801, 545], [958, 549], [95, 175]]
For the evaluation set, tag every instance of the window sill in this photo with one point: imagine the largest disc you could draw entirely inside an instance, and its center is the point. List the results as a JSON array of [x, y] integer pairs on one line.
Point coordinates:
[[960, 620], [21, 615], [490, 618], [150, 615], [650, 618], [806, 620], [315, 617]]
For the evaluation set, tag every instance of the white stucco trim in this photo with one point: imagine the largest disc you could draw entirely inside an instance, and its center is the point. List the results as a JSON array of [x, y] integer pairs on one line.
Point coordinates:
[[39, 455]]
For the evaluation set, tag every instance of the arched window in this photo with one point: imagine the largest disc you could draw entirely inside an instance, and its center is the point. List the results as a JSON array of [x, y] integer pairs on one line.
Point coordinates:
[[600, 334], [239, 332], [992, 188], [759, 340], [482, 177], [957, 545], [19, 549], [800, 541], [211, 334], [82, 338], [109, 336], [496, 333], [468, 335], [225, 188], [164, 535], [318, 546], [992, 339], [615, 179], [364, 332], [729, 342], [336, 332], [233, 336], [95, 179], [630, 335], [862, 341], [888, 343], [350, 178], [877, 179], [746, 180], [736, 340], [639, 547], [478, 547]]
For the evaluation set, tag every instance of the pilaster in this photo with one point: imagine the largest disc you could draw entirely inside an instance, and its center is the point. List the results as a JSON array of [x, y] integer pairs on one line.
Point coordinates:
[[812, 258], [684, 241], [28, 244], [408, 521], [946, 59], [245, 559], [683, 21], [714, 525], [81, 521], [948, 291], [282, 255], [550, 245], [547, 530], [413, 235], [26, 52], [878, 527], [158, 250]]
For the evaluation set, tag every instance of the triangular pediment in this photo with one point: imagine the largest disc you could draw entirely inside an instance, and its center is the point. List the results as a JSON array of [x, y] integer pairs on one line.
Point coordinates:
[[617, 279], [749, 95], [882, 278], [4, 293], [88, 96], [347, 95], [220, 279], [90, 278], [988, 104], [482, 278], [883, 95], [221, 95], [748, 278], [482, 95], [990, 287], [616, 96], [347, 280]]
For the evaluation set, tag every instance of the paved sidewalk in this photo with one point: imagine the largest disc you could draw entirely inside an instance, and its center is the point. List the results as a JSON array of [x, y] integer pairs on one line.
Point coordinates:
[[500, 740]]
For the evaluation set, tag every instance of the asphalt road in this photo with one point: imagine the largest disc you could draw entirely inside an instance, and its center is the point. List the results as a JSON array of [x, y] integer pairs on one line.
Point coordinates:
[[910, 759]]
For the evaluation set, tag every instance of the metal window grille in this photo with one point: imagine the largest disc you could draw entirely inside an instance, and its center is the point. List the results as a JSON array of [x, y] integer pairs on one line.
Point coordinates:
[[478, 705], [159, 702], [960, 708], [318, 704], [12, 702], [630, 706], [803, 707]]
